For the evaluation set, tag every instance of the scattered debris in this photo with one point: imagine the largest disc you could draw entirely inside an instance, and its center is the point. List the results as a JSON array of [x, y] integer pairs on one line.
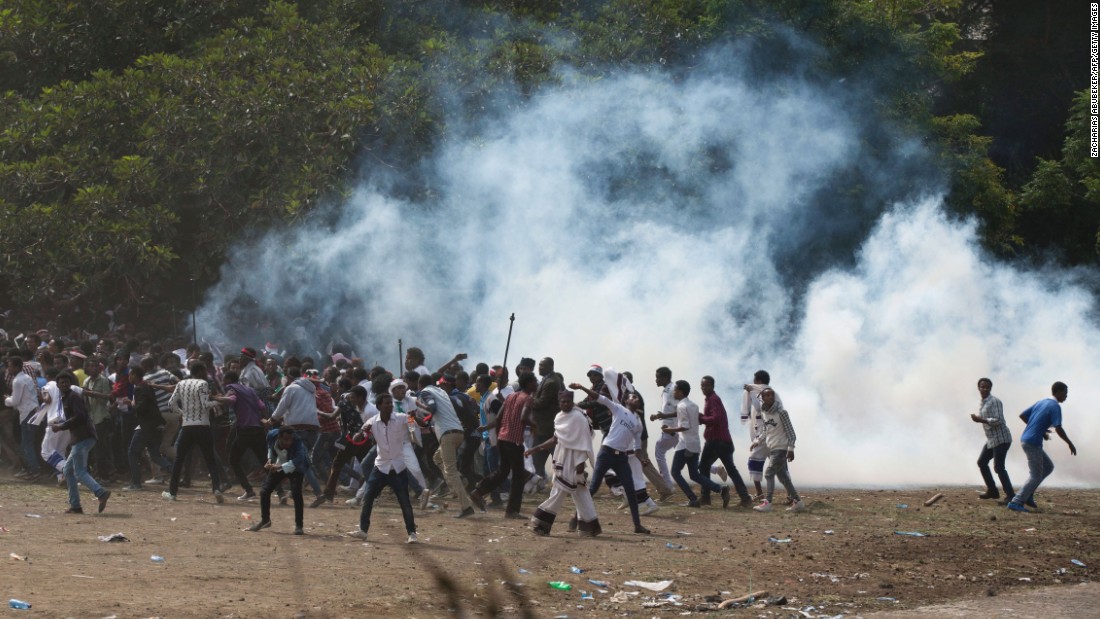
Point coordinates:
[[911, 533], [674, 546], [576, 570], [156, 559], [599, 583], [932, 501], [903, 506], [114, 537], [561, 586], [18, 557], [523, 571], [829, 532], [660, 585], [743, 599], [776, 540], [33, 515], [1077, 563]]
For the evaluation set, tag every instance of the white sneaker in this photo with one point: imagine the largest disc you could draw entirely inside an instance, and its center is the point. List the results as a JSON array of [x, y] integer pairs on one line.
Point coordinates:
[[412, 539], [797, 506], [617, 491], [155, 480], [354, 502], [168, 495], [532, 484], [765, 506], [648, 508], [358, 534]]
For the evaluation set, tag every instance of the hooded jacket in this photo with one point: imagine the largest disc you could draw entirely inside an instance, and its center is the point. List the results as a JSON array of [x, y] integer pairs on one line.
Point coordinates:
[[298, 406]]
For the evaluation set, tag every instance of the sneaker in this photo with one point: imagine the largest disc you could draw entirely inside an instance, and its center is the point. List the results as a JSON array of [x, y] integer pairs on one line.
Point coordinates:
[[479, 503], [32, 477], [989, 495], [694, 503], [412, 538], [263, 524], [283, 499], [745, 504], [1016, 507], [725, 496], [1031, 503], [532, 484], [797, 506], [514, 516], [219, 497], [132, 488], [469, 511], [722, 473], [649, 508], [358, 534], [765, 506], [168, 495], [665, 496], [354, 502], [74, 510], [425, 498], [642, 530], [319, 500], [247, 496], [299, 531], [155, 480], [103, 500]]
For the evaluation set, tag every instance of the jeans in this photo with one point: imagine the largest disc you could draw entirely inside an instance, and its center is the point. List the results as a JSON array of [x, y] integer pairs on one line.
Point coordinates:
[[997, 454], [243, 440], [30, 442], [1039, 467], [309, 437], [273, 480], [76, 469], [722, 451], [609, 459], [777, 467], [399, 482], [322, 452], [146, 439], [190, 437], [682, 458]]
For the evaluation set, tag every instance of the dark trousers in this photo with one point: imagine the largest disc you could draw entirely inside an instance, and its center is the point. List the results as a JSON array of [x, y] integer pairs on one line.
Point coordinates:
[[511, 461], [271, 482], [997, 455], [191, 437], [610, 460], [466, 460], [242, 441], [722, 451], [102, 454], [124, 434], [539, 459], [343, 456], [683, 458], [146, 439], [399, 482]]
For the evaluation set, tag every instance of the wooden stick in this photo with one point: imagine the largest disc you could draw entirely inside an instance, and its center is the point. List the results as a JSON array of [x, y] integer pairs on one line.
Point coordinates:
[[744, 598], [930, 502]]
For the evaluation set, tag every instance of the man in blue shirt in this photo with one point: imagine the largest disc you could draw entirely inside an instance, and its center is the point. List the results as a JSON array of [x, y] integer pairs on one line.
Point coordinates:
[[1040, 417]]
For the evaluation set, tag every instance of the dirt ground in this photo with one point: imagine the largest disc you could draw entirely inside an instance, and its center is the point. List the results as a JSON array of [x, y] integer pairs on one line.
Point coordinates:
[[844, 558]]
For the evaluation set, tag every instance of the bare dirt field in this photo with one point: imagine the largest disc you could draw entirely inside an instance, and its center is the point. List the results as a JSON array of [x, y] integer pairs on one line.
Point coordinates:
[[844, 558]]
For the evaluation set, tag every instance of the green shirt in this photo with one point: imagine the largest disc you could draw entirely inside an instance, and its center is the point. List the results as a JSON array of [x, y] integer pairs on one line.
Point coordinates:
[[97, 407]]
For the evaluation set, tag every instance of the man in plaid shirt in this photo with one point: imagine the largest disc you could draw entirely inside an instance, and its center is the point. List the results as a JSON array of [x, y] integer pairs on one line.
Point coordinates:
[[997, 441]]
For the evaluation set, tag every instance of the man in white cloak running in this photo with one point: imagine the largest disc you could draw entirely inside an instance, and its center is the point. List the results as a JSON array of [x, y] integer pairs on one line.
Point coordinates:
[[572, 444]]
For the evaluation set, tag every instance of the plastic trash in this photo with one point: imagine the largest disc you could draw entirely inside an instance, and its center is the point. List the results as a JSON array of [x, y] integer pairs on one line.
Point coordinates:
[[576, 570], [114, 537], [599, 583], [829, 532], [156, 559], [885, 599], [16, 557], [674, 546], [903, 506], [911, 533], [1077, 563], [776, 540], [244, 516], [523, 571], [660, 585], [20, 604], [559, 585], [3, 529], [586, 595], [33, 515]]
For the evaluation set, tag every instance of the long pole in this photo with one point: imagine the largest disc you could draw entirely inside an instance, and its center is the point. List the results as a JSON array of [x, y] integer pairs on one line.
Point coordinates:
[[511, 323], [194, 307], [400, 357]]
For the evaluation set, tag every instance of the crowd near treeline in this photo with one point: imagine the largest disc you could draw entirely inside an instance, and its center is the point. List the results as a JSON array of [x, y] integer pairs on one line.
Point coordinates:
[[142, 139]]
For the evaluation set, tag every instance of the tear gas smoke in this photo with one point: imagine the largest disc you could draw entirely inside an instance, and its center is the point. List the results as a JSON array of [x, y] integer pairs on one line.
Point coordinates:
[[650, 219]]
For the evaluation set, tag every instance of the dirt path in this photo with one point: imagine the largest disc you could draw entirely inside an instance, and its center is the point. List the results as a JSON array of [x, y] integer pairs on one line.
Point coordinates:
[[844, 557]]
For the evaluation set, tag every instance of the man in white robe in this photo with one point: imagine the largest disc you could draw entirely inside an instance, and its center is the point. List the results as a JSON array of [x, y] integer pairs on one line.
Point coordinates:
[[572, 444]]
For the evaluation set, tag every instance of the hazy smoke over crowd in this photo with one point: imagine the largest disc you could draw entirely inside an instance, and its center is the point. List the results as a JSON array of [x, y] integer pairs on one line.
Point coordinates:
[[689, 221]]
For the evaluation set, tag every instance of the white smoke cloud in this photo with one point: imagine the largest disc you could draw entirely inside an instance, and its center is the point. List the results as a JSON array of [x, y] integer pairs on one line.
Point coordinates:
[[639, 221]]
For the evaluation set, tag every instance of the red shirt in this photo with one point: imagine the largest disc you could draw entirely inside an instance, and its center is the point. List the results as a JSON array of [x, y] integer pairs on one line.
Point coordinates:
[[510, 427], [714, 418]]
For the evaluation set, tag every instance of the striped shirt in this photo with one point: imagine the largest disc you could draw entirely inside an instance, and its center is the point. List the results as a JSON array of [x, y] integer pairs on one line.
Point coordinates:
[[510, 426], [996, 432], [162, 377]]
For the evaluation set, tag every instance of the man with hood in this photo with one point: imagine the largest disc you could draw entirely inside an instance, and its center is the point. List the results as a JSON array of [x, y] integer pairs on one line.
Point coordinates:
[[572, 445], [297, 410]]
